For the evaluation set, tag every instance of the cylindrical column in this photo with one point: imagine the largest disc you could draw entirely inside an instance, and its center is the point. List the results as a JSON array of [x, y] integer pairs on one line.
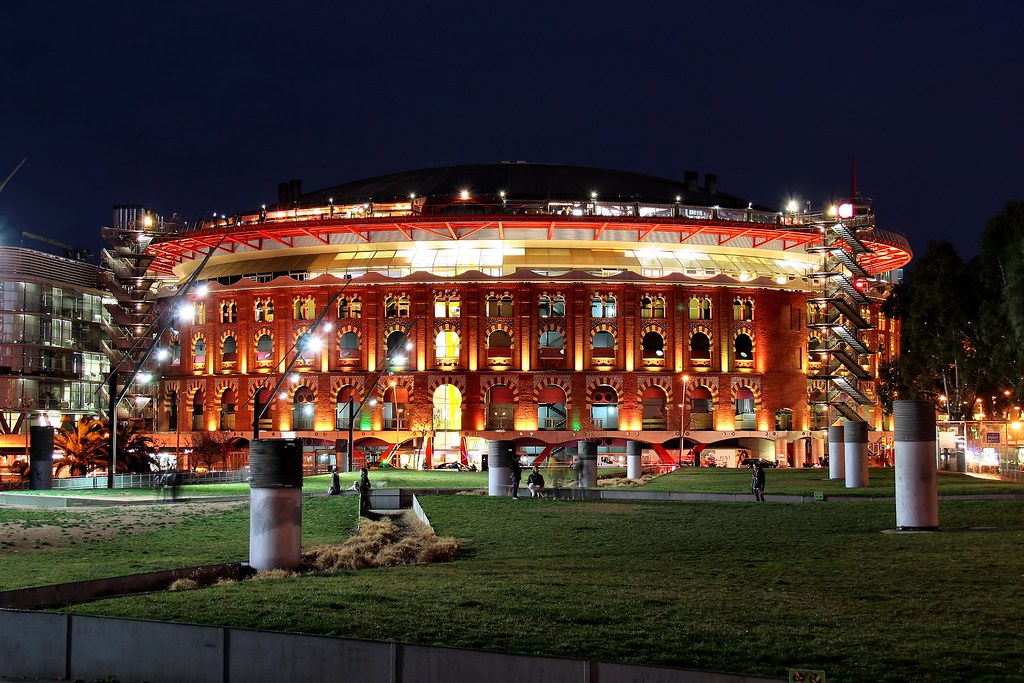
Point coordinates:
[[817, 448], [499, 463], [836, 453], [588, 463], [275, 510], [634, 459], [917, 497], [40, 456], [800, 452], [781, 453], [855, 436]]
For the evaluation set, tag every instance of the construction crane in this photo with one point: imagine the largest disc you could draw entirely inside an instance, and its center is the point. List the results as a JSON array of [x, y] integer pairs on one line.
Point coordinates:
[[70, 251], [16, 169]]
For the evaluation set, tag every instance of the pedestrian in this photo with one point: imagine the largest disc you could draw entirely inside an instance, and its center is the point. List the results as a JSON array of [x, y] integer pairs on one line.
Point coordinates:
[[516, 474], [335, 488], [757, 481], [535, 482], [364, 492]]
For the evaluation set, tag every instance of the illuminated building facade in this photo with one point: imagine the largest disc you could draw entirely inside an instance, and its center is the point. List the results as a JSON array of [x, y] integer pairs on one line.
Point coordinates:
[[537, 303]]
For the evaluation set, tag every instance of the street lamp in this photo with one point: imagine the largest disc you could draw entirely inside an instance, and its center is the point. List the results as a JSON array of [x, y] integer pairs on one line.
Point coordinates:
[[682, 421]]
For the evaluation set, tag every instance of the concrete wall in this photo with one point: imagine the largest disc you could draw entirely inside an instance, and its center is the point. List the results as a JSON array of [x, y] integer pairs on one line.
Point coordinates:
[[69, 647]]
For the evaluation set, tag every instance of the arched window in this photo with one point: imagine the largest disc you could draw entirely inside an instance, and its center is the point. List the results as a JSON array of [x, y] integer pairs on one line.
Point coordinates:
[[742, 310], [303, 409], [270, 310], [815, 350], [172, 410], [646, 307], [175, 351], [447, 347], [264, 348], [355, 308], [659, 307], [700, 349], [558, 306], [783, 419], [348, 346], [199, 352], [551, 413], [744, 347], [394, 406], [655, 408], [342, 307], [500, 407], [390, 307], [447, 414], [552, 339], [197, 411], [544, 306], [228, 311], [398, 349], [229, 349], [700, 308], [305, 309], [199, 313], [345, 407], [227, 409], [701, 410], [746, 418], [260, 312], [447, 305], [403, 306], [603, 345], [505, 310], [653, 345], [604, 408], [500, 340], [602, 306]]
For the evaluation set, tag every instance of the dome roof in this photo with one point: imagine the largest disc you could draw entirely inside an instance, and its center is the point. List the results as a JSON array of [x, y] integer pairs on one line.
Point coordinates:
[[521, 181]]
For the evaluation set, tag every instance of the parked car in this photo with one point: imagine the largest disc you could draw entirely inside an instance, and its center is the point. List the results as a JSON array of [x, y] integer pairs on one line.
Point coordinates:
[[749, 462]]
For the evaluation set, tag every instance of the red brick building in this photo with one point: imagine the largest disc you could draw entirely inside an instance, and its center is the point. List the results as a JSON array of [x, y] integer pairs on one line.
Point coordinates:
[[535, 303]]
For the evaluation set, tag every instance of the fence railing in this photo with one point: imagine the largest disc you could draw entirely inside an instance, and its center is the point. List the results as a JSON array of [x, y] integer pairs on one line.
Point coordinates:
[[134, 481]]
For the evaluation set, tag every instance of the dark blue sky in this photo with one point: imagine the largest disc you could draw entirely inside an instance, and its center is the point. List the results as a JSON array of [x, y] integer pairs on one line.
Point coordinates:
[[202, 107]]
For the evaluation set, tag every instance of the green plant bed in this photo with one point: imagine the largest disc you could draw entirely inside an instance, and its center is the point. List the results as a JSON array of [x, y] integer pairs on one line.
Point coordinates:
[[740, 587]]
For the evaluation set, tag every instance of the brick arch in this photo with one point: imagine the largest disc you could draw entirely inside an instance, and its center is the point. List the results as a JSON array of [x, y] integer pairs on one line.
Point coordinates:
[[339, 383], [562, 383], [605, 327], [447, 325], [403, 382], [498, 293], [191, 387], [434, 381], [645, 383], [345, 329], [486, 383], [746, 383], [704, 383], [700, 327], [308, 381], [658, 327], [747, 330], [611, 381], [299, 331], [223, 385], [549, 327], [397, 327]]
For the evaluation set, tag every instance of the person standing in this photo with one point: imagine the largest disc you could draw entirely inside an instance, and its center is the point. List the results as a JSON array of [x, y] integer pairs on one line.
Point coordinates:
[[364, 492], [516, 474], [757, 481], [335, 488]]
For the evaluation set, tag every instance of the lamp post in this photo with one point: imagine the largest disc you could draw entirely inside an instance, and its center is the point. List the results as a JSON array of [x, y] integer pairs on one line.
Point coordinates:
[[682, 421]]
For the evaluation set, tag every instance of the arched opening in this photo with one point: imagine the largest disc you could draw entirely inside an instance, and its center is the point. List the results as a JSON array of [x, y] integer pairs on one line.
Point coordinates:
[[396, 402], [303, 409], [701, 414], [653, 345], [604, 345], [264, 348], [229, 349], [744, 347], [262, 402], [499, 346], [551, 413], [172, 411], [447, 346], [746, 418], [659, 307], [552, 344], [655, 408], [783, 419], [505, 307], [646, 307], [604, 408], [398, 348], [700, 350], [227, 409], [348, 346], [558, 307], [175, 351], [500, 407], [447, 415], [345, 406], [199, 353], [198, 400], [544, 306]]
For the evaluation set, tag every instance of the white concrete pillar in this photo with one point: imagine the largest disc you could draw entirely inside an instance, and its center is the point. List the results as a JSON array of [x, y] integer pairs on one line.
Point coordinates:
[[855, 435], [499, 467], [275, 504], [836, 453], [917, 498], [634, 459], [588, 461]]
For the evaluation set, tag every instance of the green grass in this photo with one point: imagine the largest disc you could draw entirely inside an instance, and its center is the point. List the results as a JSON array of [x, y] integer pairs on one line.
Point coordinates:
[[741, 587]]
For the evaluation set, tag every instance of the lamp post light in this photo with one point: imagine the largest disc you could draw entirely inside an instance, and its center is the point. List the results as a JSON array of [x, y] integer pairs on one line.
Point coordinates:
[[682, 421]]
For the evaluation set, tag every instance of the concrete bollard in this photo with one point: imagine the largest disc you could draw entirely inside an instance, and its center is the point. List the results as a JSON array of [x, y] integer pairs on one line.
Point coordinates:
[[588, 463], [40, 457], [800, 452], [836, 453], [917, 496], [855, 434], [499, 463], [275, 510], [634, 459], [817, 448]]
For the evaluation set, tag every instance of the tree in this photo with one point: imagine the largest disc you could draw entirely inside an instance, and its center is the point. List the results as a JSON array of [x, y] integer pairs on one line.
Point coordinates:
[[85, 445], [209, 449], [135, 449]]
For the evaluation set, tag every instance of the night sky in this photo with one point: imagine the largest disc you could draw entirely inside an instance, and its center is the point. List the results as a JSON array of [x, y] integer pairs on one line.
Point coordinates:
[[202, 107]]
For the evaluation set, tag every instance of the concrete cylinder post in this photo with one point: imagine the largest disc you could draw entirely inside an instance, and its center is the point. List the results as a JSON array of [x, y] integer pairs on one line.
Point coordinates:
[[499, 463], [275, 496], [634, 459], [855, 436], [781, 453], [917, 497], [40, 456], [800, 452], [817, 448], [836, 453], [588, 463]]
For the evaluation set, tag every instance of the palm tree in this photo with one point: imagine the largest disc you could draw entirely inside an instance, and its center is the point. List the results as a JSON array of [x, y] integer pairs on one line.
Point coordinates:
[[135, 449], [84, 444]]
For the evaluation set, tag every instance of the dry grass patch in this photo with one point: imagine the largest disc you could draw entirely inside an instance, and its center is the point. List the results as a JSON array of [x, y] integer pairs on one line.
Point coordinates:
[[383, 543], [624, 483], [184, 585]]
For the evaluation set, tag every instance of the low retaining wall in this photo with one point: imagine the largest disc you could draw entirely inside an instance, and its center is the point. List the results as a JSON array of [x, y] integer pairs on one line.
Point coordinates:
[[70, 647]]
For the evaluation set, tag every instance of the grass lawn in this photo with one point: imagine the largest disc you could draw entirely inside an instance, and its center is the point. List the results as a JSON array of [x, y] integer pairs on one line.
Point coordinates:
[[741, 587]]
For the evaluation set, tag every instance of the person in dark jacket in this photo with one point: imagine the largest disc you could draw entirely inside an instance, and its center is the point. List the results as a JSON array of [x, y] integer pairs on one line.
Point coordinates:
[[335, 487], [364, 492], [757, 481], [516, 474], [535, 482]]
